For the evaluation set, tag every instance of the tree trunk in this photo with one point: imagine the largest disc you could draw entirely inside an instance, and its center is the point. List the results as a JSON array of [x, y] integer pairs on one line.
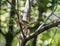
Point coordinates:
[[9, 39], [21, 43], [34, 41], [9, 36]]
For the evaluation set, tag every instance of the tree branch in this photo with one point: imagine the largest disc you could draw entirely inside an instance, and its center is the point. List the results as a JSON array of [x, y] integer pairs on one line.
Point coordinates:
[[19, 18], [27, 10], [46, 27], [16, 11], [2, 32]]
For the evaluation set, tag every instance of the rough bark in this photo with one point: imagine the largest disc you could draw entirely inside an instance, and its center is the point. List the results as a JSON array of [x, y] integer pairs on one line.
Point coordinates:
[[9, 36]]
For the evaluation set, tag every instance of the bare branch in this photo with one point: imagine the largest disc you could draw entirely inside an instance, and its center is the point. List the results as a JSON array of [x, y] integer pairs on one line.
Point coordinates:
[[46, 27]]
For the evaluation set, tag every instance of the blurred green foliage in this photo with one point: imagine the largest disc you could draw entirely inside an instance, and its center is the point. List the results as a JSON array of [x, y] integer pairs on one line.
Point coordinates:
[[43, 39]]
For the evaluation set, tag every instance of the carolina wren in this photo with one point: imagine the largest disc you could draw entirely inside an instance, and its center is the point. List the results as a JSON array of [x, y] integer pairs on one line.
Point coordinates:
[[22, 23], [25, 25]]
